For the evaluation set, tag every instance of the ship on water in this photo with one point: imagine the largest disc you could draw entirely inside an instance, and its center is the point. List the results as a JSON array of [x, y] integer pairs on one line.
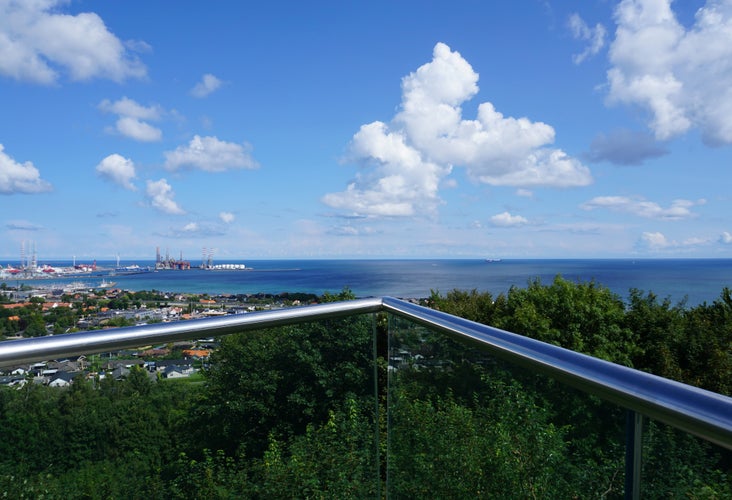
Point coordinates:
[[107, 284], [128, 269]]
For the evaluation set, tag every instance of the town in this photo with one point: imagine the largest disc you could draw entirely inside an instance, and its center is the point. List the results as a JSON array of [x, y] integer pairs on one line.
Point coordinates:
[[27, 311]]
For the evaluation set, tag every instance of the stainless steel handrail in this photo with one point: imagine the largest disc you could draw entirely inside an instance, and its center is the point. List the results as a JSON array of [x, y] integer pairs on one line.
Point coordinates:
[[16, 352], [693, 410], [703, 413]]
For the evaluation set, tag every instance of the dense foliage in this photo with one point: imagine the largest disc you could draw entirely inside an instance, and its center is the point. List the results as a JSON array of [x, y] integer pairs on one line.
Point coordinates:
[[691, 345], [301, 411]]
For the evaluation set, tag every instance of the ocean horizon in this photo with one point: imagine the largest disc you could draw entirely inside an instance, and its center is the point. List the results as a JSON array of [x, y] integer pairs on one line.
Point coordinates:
[[694, 280]]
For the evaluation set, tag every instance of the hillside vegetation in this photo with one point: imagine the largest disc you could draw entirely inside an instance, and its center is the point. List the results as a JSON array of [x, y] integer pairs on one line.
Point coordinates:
[[305, 411]]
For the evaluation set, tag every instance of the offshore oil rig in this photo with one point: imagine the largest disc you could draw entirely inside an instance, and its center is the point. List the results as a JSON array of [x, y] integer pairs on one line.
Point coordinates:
[[207, 263], [169, 262]]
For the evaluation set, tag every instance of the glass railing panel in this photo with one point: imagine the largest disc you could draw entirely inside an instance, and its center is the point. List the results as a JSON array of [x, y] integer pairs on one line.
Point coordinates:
[[283, 412], [675, 464], [300, 407], [463, 424]]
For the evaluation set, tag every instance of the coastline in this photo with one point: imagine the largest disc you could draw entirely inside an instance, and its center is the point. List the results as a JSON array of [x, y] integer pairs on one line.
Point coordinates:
[[699, 280]]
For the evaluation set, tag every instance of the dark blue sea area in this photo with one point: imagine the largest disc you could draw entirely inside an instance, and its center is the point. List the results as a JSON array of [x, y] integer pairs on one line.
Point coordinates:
[[696, 280]]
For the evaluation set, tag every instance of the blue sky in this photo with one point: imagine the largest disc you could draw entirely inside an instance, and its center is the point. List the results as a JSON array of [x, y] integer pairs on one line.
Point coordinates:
[[523, 129]]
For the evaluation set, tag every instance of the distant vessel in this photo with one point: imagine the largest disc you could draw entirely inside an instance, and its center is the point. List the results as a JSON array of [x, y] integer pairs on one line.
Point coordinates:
[[131, 269], [493, 260], [106, 284], [76, 286]]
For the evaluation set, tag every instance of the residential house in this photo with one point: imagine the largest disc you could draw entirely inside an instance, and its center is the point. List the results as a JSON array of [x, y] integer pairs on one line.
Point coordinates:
[[63, 379]]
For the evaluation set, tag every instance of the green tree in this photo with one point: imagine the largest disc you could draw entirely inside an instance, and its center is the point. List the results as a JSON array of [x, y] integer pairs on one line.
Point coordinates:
[[473, 305], [501, 447], [659, 330], [62, 318], [336, 459], [705, 357], [34, 324], [277, 381], [583, 317], [120, 321]]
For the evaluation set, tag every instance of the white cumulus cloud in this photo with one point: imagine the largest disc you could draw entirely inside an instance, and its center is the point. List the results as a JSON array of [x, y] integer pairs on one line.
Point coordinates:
[[658, 241], [726, 237], [654, 240], [138, 130], [208, 84], [161, 194], [131, 108], [132, 119], [18, 177], [38, 42], [211, 155], [406, 161], [226, 217], [119, 170], [594, 36], [403, 183], [681, 76], [679, 209], [196, 229], [505, 219]]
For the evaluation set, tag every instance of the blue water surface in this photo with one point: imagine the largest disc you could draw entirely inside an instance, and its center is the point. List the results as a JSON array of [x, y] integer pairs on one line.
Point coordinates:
[[696, 280]]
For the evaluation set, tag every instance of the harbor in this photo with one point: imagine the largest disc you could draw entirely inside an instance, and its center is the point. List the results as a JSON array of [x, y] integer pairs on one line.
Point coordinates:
[[29, 267]]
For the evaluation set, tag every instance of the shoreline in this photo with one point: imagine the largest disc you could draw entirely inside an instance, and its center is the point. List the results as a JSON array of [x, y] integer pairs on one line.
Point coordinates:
[[696, 280]]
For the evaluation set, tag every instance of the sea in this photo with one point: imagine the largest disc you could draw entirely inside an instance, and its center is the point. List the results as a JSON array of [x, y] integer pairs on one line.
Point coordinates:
[[694, 281]]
